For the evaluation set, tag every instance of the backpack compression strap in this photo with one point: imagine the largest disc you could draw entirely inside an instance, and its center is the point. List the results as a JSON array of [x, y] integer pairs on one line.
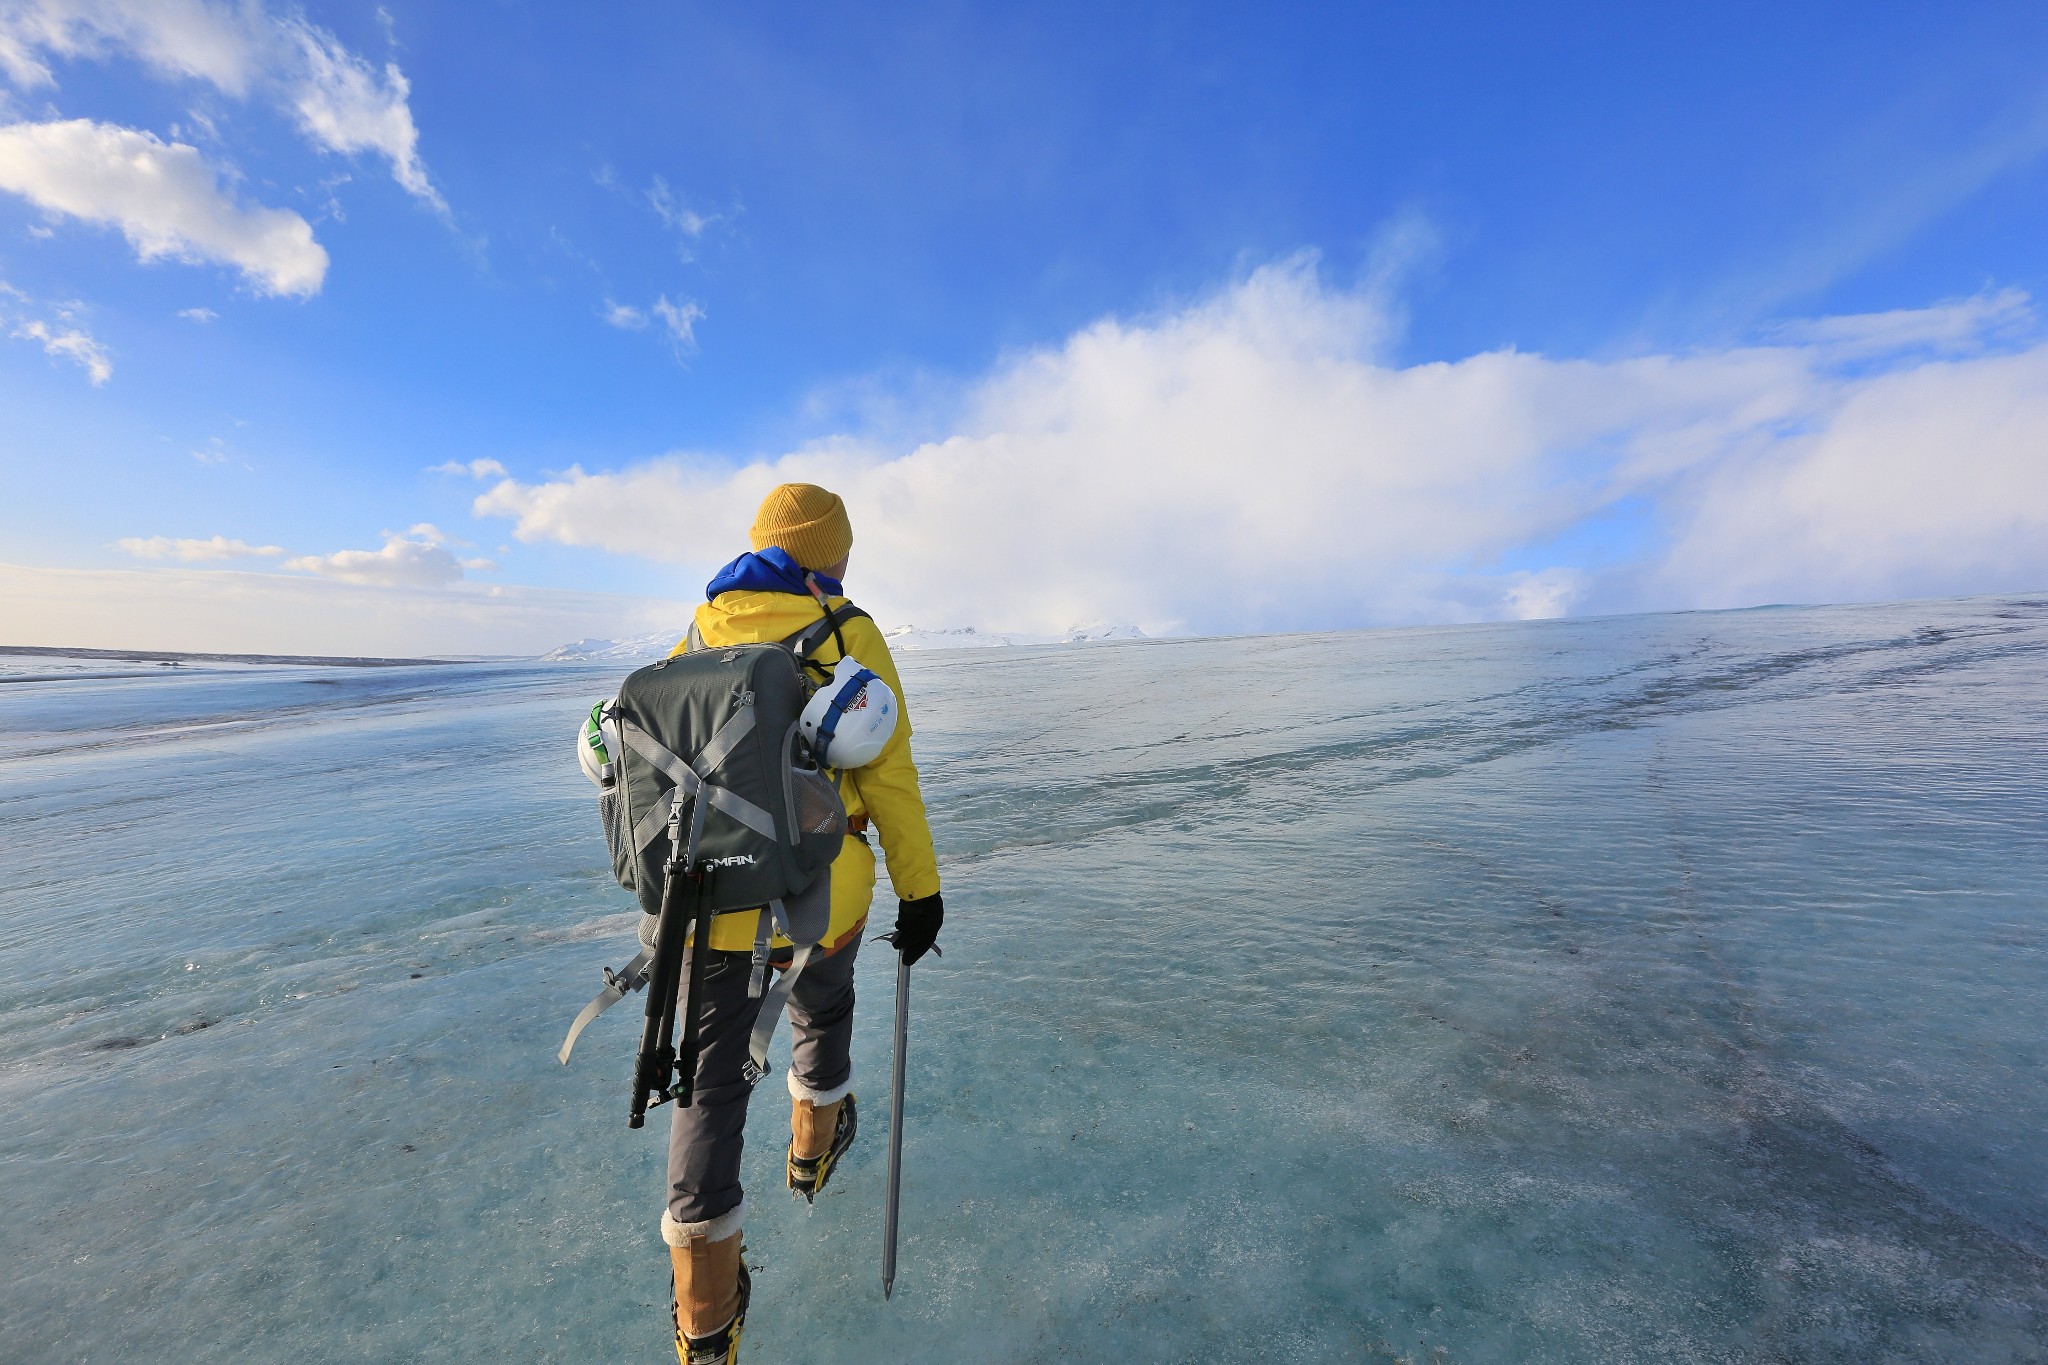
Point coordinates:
[[689, 778], [617, 985], [803, 919]]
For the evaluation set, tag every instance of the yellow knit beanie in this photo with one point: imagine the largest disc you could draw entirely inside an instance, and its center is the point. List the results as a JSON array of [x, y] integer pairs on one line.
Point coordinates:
[[807, 521]]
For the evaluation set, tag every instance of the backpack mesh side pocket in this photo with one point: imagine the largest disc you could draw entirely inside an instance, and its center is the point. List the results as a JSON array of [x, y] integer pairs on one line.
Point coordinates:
[[618, 835], [815, 807], [817, 817]]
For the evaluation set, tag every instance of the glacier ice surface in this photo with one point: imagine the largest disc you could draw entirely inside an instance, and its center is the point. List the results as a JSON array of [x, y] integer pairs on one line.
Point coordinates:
[[1643, 989]]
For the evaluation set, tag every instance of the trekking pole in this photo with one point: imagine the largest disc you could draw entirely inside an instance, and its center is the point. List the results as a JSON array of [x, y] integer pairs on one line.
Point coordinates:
[[896, 1127]]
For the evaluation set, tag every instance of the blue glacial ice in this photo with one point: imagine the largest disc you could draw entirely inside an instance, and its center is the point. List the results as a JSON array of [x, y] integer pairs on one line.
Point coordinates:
[[1668, 988]]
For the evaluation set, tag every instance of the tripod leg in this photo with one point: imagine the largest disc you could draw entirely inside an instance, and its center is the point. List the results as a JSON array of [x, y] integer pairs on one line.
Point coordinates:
[[692, 1005]]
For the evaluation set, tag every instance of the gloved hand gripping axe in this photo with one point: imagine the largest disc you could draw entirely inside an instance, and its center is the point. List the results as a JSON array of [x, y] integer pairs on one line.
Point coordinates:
[[664, 1071]]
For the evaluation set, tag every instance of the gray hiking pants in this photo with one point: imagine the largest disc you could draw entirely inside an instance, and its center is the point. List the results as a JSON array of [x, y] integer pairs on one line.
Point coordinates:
[[704, 1141]]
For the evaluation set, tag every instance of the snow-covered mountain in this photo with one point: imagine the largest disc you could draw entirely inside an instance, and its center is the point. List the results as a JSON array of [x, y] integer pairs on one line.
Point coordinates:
[[1094, 631], [640, 649], [648, 648]]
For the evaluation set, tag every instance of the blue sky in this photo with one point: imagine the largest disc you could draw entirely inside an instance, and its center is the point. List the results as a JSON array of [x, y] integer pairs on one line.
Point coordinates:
[[1203, 317]]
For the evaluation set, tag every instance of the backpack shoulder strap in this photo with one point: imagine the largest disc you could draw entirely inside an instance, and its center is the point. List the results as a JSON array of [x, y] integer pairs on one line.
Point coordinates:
[[694, 641], [804, 641]]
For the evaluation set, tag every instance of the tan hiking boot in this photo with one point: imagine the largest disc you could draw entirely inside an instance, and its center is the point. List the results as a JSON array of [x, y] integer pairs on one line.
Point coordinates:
[[818, 1133], [711, 1292]]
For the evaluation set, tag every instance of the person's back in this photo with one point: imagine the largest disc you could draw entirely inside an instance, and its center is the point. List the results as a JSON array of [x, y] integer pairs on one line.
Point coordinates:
[[790, 581]]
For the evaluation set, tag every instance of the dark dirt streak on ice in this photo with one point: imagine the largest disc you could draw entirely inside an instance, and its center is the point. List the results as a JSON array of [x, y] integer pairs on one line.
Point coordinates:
[[1814, 1162], [1782, 1125]]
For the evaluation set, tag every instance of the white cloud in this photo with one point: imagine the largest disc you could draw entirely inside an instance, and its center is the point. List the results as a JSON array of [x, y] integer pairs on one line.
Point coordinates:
[[678, 319], [403, 562], [687, 223], [199, 315], [59, 333], [72, 344], [196, 551], [216, 609], [347, 108], [1541, 596], [1871, 196], [418, 558], [1925, 482], [681, 319], [1251, 462], [338, 99], [673, 212], [1959, 326], [431, 534], [475, 469], [162, 195], [218, 44]]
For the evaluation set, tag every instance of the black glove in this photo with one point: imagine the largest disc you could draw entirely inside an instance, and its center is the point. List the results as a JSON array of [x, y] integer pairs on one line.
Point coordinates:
[[917, 926]]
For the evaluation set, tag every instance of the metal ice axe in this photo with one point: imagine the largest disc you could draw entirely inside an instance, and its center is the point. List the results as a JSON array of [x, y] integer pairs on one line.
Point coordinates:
[[896, 1119]]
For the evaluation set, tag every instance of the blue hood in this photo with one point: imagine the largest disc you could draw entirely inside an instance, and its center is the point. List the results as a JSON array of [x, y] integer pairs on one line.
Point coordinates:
[[770, 570]]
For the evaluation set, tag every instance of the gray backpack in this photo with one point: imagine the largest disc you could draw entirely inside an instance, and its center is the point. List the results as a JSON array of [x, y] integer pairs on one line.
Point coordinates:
[[715, 731], [712, 758]]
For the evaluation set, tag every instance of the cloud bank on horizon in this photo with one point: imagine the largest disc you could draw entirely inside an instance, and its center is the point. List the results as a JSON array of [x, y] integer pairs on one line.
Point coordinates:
[[1252, 463]]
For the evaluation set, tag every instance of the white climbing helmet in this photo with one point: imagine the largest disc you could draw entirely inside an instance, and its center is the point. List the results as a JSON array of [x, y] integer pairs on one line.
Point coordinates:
[[851, 718], [597, 739]]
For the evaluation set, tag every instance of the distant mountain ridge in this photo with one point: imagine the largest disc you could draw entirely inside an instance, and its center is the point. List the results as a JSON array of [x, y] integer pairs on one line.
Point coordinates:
[[641, 648], [647, 648]]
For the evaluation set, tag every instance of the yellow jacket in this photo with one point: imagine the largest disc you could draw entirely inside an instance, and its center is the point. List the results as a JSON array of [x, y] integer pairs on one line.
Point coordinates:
[[885, 791]]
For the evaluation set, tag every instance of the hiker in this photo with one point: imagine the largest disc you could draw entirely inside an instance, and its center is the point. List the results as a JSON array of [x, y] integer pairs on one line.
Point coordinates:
[[801, 537]]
